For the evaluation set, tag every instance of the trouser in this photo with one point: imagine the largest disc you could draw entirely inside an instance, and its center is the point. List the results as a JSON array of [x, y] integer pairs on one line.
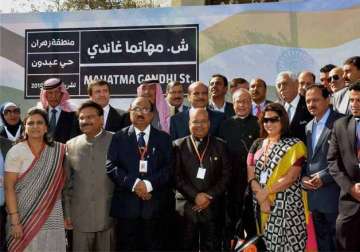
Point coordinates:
[[94, 241], [347, 233], [2, 228], [325, 229]]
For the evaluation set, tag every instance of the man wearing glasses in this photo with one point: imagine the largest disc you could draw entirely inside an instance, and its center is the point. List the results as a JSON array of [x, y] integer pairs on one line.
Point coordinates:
[[139, 163]]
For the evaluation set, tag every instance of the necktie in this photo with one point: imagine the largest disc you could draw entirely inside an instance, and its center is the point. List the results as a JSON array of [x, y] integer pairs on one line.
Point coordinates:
[[52, 124], [141, 140], [289, 112], [176, 110], [258, 110]]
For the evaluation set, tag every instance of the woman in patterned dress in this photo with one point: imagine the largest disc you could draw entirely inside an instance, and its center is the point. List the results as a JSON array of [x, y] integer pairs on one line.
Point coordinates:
[[274, 168], [34, 178]]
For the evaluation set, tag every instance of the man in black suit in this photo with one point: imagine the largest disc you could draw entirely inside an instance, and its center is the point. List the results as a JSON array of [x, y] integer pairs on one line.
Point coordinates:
[[305, 79], [239, 132], [139, 163], [258, 96], [295, 105], [198, 98], [343, 158], [202, 171], [54, 98], [99, 92], [323, 192], [218, 88]]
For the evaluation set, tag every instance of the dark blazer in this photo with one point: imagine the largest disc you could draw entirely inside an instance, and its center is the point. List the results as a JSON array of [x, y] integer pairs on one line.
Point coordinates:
[[344, 164], [179, 123], [326, 198], [67, 127], [114, 121], [300, 119], [5, 145], [123, 169], [217, 175], [229, 109]]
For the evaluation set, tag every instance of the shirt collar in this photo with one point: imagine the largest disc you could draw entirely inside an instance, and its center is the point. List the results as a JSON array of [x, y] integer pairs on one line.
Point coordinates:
[[295, 101], [58, 109], [216, 107], [323, 118], [146, 130], [106, 108], [262, 104]]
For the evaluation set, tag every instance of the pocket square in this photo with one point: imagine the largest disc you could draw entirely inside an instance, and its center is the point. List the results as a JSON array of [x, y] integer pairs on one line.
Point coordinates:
[[302, 122]]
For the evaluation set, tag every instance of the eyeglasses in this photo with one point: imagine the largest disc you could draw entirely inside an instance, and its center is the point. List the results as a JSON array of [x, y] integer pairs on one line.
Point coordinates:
[[271, 119], [11, 111], [333, 78], [199, 123], [141, 110]]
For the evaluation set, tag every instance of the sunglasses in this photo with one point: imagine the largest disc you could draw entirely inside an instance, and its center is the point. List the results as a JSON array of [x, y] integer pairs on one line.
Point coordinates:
[[13, 111], [333, 78], [271, 119]]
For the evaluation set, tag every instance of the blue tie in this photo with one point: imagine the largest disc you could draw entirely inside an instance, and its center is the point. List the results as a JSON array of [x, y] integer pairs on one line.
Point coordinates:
[[52, 123], [141, 140]]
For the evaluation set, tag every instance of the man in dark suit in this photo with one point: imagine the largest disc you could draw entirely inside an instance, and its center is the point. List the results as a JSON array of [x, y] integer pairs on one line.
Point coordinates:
[[218, 88], [99, 92], [294, 104], [202, 169], [198, 98], [5, 145], [258, 96], [343, 158], [175, 97], [139, 163], [239, 132], [323, 192], [54, 98]]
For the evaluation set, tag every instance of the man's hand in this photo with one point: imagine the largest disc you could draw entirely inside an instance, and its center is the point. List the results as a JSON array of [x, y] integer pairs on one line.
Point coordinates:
[[140, 189], [68, 224], [355, 191], [308, 183], [202, 201], [316, 181]]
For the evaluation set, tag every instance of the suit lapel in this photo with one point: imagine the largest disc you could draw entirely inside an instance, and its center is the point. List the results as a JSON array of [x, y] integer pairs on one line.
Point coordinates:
[[133, 139], [109, 118], [309, 133], [351, 134]]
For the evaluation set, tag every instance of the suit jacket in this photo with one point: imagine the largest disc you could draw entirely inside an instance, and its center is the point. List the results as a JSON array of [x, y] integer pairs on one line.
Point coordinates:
[[326, 198], [114, 121], [179, 124], [123, 169], [67, 127], [229, 109], [341, 101], [88, 190], [300, 119], [239, 134], [344, 164], [218, 168]]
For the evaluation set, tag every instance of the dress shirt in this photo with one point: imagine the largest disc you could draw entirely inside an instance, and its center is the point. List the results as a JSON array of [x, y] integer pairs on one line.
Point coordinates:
[[106, 113], [254, 107], [1, 179], [58, 111], [294, 104], [216, 108], [318, 128], [148, 185]]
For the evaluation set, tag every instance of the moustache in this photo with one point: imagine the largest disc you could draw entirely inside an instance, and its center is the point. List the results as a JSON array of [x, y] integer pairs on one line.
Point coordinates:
[[140, 117], [346, 79], [311, 108], [85, 124]]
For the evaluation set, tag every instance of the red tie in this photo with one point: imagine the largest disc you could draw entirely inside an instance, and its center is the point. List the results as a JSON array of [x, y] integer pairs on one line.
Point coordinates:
[[258, 110]]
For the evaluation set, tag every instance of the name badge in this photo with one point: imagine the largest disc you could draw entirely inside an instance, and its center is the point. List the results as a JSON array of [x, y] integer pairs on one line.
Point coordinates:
[[201, 173], [1, 181], [143, 166], [263, 177]]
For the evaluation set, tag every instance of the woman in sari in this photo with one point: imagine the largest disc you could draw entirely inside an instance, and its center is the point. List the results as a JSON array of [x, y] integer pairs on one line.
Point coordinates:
[[34, 179], [274, 167]]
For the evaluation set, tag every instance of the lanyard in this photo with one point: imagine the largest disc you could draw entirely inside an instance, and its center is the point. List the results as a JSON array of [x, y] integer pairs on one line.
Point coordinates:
[[142, 151], [200, 156]]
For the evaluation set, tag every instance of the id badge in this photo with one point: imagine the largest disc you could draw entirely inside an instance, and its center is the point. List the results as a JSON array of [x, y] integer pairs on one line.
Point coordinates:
[[1, 181], [201, 173], [143, 166], [263, 177]]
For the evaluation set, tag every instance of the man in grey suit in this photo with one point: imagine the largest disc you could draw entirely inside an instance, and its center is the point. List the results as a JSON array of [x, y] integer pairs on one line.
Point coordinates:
[[88, 190], [323, 192]]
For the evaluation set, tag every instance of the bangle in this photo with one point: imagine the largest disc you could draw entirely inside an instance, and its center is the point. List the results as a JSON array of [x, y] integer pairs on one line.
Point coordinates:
[[251, 180], [15, 224], [16, 212]]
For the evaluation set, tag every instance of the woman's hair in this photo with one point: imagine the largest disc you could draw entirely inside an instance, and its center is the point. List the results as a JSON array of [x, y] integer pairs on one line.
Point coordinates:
[[37, 111], [284, 119]]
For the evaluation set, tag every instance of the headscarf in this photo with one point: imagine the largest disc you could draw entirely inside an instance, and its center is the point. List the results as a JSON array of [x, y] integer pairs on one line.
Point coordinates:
[[13, 132], [65, 104], [161, 105]]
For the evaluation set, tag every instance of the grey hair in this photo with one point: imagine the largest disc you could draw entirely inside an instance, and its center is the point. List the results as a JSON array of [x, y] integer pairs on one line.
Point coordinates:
[[239, 92], [283, 74]]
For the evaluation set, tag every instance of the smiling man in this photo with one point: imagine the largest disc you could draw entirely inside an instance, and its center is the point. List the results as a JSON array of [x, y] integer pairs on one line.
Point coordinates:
[[218, 86]]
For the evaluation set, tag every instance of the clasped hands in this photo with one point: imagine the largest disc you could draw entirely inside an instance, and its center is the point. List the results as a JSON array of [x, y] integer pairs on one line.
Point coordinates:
[[262, 196], [202, 201], [141, 191], [312, 183], [355, 191]]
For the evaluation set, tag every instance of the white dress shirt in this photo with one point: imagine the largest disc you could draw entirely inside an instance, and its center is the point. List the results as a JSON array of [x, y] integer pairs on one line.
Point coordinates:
[[58, 111], [216, 108], [293, 104], [106, 114]]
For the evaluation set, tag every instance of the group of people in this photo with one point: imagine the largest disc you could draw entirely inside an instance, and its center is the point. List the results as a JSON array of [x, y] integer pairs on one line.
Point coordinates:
[[167, 176]]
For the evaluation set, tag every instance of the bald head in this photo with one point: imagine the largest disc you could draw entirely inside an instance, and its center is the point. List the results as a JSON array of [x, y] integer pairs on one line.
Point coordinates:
[[305, 79], [198, 95], [199, 123], [141, 112]]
